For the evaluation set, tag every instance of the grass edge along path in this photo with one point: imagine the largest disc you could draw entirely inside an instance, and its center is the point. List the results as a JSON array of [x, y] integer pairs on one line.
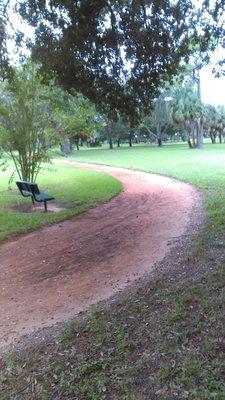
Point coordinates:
[[162, 340]]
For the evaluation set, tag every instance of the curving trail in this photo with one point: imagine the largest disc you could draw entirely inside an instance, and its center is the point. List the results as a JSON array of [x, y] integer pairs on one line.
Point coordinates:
[[50, 275]]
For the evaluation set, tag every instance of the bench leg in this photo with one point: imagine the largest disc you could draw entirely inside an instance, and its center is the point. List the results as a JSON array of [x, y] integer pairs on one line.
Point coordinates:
[[45, 203], [32, 199]]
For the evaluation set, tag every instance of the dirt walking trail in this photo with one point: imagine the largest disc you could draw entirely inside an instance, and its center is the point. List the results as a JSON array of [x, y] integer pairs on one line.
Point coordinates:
[[50, 275]]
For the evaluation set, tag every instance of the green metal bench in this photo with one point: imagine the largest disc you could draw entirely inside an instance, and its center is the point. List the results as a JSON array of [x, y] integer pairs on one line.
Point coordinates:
[[30, 189]]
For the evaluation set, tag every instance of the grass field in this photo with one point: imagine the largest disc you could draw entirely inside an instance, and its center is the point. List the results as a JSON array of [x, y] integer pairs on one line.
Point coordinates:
[[204, 169], [74, 189], [197, 167], [164, 340]]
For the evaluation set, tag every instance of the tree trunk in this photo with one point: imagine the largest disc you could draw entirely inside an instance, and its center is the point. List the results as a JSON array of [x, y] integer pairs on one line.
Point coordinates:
[[183, 138], [110, 144], [199, 134], [159, 136], [194, 139], [213, 138], [159, 140], [190, 143], [65, 146], [77, 145], [130, 140], [118, 142], [110, 135], [220, 137]]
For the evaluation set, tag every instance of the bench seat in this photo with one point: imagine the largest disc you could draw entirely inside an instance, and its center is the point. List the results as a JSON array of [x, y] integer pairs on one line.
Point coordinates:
[[43, 197]]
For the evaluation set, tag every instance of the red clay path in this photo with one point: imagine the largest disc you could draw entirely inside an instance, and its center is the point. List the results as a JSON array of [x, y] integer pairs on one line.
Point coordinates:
[[50, 275]]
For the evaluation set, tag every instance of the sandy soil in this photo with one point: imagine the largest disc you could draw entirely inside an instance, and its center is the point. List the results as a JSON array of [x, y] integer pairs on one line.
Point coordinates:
[[54, 273]]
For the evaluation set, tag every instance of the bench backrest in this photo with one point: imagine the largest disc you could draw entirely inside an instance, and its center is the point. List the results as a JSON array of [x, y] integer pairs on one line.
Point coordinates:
[[27, 188]]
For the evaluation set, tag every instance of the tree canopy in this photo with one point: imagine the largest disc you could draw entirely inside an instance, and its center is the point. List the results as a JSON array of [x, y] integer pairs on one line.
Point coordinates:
[[117, 53]]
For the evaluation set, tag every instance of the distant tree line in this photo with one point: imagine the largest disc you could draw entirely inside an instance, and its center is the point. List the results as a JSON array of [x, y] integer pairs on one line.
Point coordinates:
[[121, 72]]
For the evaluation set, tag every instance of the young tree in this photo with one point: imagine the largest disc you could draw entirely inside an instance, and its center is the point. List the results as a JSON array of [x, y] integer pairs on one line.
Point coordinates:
[[25, 120]]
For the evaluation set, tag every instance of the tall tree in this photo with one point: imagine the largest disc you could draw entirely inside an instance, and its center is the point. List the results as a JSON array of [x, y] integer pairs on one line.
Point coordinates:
[[187, 110], [197, 62], [117, 53]]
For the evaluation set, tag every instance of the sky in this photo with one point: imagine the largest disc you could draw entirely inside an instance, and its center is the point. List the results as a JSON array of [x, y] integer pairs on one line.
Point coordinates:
[[212, 89]]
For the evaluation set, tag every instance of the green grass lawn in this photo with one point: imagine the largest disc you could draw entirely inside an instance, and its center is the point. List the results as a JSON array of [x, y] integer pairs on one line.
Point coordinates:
[[205, 169], [196, 166], [164, 340], [75, 190]]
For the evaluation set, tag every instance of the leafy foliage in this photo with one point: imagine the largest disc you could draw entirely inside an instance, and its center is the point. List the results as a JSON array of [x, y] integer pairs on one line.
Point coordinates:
[[25, 120], [213, 28], [75, 118], [4, 58], [117, 53]]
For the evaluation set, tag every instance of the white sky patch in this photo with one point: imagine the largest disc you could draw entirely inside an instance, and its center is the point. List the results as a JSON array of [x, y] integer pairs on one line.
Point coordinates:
[[15, 23], [213, 89]]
